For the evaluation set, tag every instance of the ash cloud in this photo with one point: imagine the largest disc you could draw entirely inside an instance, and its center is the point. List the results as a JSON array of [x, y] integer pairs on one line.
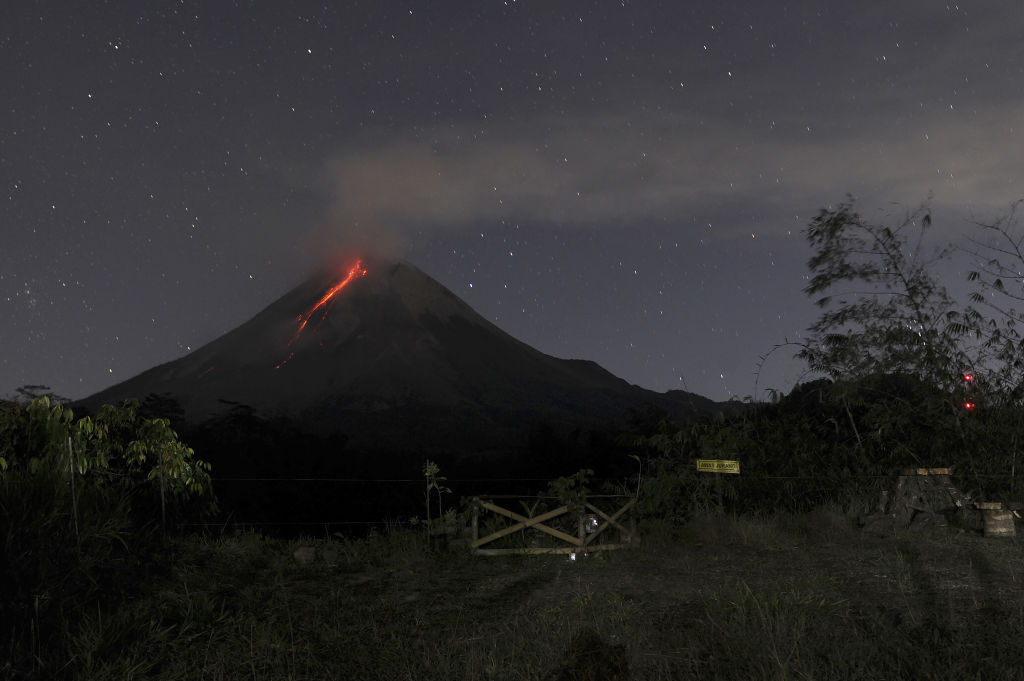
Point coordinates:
[[781, 137], [613, 171]]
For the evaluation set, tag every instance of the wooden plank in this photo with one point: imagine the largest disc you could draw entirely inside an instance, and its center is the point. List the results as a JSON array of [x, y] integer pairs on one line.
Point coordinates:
[[552, 550], [529, 550], [507, 531], [476, 522], [601, 527], [516, 516], [629, 504], [927, 471], [524, 523], [576, 544], [611, 521]]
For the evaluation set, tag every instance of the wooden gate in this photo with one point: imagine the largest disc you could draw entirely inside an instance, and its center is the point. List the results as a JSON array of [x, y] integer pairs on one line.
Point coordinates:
[[589, 528]]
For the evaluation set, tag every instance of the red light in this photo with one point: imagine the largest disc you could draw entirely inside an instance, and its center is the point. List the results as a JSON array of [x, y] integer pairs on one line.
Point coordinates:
[[969, 406], [357, 270], [968, 376]]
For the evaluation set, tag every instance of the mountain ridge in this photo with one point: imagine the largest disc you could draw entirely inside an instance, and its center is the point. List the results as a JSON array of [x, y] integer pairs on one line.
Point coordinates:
[[392, 338], [315, 397]]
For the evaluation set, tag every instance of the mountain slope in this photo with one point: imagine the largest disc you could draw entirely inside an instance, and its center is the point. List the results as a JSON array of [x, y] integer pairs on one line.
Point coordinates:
[[390, 356]]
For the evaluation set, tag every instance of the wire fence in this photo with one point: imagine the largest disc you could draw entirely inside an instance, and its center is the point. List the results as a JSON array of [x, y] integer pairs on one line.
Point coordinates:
[[476, 486], [361, 480], [469, 485]]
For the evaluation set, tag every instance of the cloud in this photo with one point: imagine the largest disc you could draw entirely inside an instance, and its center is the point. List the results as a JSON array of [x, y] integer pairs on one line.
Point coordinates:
[[604, 172]]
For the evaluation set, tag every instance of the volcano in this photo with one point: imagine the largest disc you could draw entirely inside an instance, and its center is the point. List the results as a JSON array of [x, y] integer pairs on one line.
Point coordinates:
[[362, 374], [388, 356]]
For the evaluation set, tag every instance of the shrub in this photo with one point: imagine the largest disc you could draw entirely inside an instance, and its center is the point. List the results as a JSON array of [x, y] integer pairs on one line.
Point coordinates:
[[81, 504]]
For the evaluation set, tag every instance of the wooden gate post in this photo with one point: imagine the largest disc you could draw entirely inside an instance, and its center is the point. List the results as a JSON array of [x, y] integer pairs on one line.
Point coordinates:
[[476, 519]]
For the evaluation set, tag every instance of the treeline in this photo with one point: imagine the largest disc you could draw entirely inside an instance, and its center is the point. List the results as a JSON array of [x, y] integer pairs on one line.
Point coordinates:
[[906, 376]]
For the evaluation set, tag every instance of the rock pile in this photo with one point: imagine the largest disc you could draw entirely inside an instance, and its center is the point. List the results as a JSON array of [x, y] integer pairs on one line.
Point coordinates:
[[922, 498]]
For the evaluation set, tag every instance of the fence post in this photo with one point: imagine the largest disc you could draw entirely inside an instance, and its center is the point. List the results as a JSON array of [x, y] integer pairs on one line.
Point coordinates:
[[476, 519], [580, 524]]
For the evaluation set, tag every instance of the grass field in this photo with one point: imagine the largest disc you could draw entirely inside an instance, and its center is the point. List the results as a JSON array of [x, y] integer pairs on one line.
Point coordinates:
[[785, 597]]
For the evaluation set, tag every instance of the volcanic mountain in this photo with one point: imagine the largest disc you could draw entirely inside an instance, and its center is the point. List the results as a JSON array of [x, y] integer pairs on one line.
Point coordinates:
[[388, 357], [358, 376]]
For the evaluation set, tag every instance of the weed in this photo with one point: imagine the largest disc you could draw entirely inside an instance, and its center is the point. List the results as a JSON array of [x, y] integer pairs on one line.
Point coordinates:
[[770, 597]]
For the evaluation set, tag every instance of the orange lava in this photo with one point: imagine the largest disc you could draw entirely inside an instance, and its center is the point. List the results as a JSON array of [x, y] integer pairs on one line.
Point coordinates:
[[355, 272]]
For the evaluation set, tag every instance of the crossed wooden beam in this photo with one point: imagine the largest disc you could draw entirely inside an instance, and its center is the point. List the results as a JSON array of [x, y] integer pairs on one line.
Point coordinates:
[[628, 535], [576, 544]]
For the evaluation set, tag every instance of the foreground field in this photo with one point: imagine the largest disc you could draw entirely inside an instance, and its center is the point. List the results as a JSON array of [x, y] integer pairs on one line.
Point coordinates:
[[806, 597]]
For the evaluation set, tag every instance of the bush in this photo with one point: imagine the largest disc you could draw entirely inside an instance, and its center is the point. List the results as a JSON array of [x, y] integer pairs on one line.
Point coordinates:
[[81, 504]]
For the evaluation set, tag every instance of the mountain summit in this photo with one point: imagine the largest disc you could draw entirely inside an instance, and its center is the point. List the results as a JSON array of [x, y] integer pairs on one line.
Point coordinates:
[[382, 353]]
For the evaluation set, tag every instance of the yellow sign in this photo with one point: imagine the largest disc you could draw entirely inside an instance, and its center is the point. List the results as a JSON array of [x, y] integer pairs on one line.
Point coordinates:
[[718, 466]]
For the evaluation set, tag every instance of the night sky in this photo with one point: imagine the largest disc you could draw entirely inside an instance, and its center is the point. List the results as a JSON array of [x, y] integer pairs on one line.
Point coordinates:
[[625, 182]]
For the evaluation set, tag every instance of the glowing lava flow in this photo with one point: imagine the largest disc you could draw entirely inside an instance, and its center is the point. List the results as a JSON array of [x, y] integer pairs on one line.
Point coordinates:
[[355, 272]]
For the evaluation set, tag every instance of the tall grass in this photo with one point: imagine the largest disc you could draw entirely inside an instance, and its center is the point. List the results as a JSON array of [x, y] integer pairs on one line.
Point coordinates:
[[777, 597], [61, 556]]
